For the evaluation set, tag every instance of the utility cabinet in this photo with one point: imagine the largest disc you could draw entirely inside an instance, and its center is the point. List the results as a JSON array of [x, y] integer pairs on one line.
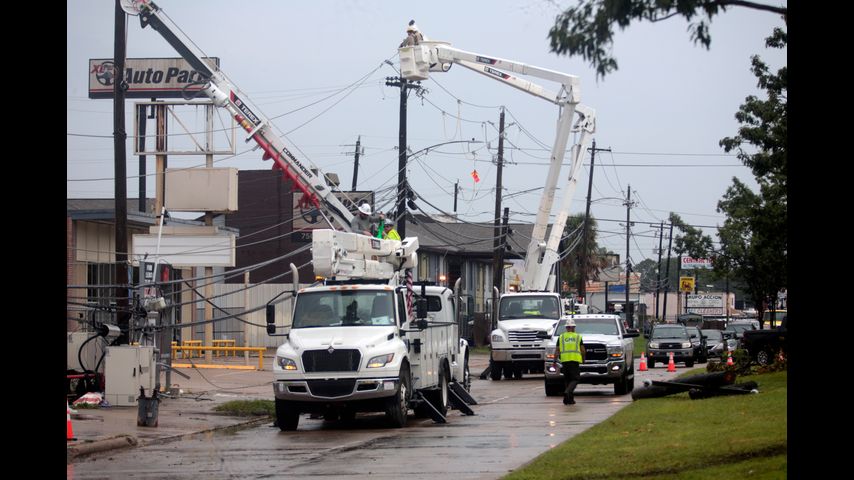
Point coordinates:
[[126, 369]]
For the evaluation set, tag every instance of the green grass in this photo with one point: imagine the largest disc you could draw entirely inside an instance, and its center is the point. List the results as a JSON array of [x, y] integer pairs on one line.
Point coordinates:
[[483, 349], [676, 437], [640, 345], [247, 408]]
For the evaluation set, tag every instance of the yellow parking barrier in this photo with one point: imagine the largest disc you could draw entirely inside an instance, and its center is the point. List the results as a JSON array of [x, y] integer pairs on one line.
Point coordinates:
[[259, 350], [224, 343]]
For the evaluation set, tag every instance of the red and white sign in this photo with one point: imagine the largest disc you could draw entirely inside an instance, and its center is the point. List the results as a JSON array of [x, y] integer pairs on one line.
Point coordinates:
[[689, 263]]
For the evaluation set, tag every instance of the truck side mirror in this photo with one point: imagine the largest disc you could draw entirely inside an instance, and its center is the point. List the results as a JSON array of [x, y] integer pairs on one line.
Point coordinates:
[[422, 324], [271, 319]]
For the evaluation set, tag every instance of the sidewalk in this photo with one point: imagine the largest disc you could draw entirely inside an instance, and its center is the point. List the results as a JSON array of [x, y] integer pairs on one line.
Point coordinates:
[[191, 412]]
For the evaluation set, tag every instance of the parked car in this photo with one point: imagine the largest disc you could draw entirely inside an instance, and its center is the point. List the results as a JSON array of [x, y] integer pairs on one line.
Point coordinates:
[[698, 343], [670, 338], [715, 343], [763, 345]]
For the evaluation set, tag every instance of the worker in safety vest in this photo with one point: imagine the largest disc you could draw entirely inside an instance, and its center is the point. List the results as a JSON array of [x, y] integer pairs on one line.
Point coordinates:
[[571, 354]]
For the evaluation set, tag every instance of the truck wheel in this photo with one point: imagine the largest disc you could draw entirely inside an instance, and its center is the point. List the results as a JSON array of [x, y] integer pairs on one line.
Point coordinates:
[[621, 386], [494, 371], [287, 417], [651, 363], [554, 389], [466, 375], [517, 373], [440, 398], [347, 414], [763, 357], [508, 373], [689, 363], [397, 407]]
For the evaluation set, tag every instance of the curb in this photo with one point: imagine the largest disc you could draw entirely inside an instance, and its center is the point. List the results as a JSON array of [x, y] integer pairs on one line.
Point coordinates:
[[114, 443], [127, 441]]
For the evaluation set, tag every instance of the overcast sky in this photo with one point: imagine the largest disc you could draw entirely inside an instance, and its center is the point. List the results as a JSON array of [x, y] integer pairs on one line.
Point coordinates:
[[662, 113]]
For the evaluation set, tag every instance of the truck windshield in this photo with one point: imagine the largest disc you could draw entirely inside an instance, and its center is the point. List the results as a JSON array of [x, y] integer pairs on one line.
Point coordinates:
[[601, 326], [529, 307], [669, 332], [343, 308]]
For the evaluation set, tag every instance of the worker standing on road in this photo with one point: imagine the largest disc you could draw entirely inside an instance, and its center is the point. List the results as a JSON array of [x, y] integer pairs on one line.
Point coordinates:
[[571, 353]]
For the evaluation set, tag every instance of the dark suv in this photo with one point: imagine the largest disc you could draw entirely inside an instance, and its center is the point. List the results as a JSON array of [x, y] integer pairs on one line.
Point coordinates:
[[667, 338]]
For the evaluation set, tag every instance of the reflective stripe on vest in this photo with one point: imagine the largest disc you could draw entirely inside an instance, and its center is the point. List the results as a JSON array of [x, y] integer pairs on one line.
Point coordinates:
[[570, 347]]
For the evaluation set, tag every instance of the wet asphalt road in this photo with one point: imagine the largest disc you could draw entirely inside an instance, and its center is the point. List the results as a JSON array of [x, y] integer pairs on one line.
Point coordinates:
[[514, 423]]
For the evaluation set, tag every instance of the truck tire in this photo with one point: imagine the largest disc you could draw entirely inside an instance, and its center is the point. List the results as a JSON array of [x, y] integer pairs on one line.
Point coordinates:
[[397, 407], [554, 389], [466, 383], [621, 386], [494, 371], [508, 373], [763, 357], [517, 373], [287, 417], [651, 363], [438, 398], [689, 363]]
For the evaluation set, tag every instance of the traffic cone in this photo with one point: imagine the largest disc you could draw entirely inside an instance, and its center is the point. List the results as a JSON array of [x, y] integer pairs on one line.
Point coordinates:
[[642, 366], [69, 432], [671, 367], [729, 359]]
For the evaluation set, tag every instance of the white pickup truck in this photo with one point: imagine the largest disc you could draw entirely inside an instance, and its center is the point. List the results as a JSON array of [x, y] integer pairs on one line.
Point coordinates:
[[610, 354]]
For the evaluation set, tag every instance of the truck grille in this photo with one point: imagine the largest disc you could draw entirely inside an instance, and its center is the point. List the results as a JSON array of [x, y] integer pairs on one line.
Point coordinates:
[[527, 336], [331, 388], [670, 346], [337, 361], [596, 351]]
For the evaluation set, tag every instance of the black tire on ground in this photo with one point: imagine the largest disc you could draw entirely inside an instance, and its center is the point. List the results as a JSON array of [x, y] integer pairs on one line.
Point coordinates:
[[508, 373], [689, 363], [287, 417], [554, 389], [466, 383], [621, 386], [631, 384], [494, 371], [763, 357], [650, 363], [517, 373], [397, 407]]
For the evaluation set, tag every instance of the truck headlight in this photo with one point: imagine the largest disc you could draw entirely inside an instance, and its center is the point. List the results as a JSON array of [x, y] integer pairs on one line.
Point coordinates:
[[615, 351], [550, 357], [286, 363], [497, 337], [653, 345], [686, 344], [380, 360]]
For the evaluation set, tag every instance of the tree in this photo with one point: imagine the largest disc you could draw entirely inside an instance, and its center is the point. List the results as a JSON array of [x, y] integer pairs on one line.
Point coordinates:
[[692, 241], [648, 270], [588, 257], [754, 244], [588, 28]]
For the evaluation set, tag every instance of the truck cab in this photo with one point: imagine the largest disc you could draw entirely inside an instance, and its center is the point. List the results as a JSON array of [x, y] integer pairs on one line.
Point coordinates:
[[517, 345], [353, 348]]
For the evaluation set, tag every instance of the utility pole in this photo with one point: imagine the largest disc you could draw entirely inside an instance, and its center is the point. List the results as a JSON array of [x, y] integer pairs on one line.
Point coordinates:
[[582, 287], [402, 186], [356, 163], [140, 143], [658, 282], [120, 181], [628, 204], [456, 192], [667, 274], [498, 253]]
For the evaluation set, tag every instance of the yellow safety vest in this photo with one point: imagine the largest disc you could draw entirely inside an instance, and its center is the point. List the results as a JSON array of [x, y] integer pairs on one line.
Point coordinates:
[[570, 347]]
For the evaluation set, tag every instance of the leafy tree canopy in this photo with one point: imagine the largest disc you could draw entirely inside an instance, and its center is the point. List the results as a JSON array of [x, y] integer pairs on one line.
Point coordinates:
[[587, 29]]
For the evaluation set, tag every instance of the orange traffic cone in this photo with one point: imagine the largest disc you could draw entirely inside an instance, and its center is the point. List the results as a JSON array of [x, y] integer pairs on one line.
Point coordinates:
[[642, 366], [729, 359], [671, 367], [69, 432]]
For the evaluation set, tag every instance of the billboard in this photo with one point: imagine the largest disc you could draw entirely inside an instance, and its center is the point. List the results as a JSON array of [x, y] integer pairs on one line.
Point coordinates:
[[689, 263], [714, 300], [148, 77]]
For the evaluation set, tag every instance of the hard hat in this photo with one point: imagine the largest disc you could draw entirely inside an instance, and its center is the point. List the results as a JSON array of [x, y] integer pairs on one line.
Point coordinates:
[[389, 222], [570, 323], [412, 27], [365, 208]]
